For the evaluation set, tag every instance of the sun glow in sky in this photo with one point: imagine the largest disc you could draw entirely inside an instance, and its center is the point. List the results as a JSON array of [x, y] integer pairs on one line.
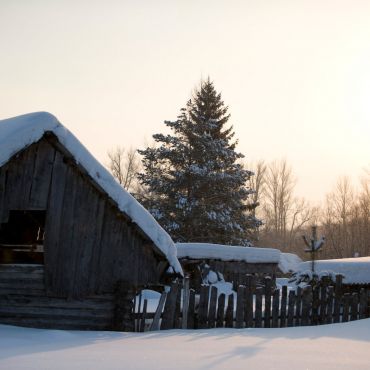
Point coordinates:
[[295, 74]]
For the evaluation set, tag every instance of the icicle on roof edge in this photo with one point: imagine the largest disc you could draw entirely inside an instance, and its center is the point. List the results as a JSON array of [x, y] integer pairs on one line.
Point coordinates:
[[19, 132]]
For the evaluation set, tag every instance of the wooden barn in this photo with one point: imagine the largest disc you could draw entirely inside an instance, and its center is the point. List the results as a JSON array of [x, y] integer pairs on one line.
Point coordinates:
[[74, 245], [204, 262]]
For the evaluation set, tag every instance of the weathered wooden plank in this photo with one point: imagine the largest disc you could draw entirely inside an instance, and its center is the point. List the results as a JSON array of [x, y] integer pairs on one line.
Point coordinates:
[[363, 304], [229, 318], [249, 303], [283, 308], [258, 310], [177, 319], [203, 307], [298, 307], [291, 305], [21, 269], [315, 305], [346, 305], [169, 308], [330, 305], [268, 290], [338, 298], [4, 209], [354, 307], [157, 316], [240, 304], [220, 311], [275, 308], [323, 304], [212, 308], [143, 316], [191, 310], [306, 306], [185, 302], [41, 178], [53, 222]]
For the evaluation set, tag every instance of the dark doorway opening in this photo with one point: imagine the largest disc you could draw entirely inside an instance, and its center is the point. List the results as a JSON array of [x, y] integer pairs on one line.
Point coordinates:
[[22, 237]]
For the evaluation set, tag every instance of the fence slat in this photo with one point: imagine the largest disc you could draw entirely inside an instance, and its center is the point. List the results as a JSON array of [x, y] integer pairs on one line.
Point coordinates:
[[363, 304], [185, 303], [346, 305], [203, 307], [354, 307], [298, 307], [240, 303], [306, 305], [258, 310], [275, 308], [267, 315], [170, 308], [249, 305], [220, 311], [143, 316], [291, 305], [191, 310], [284, 294], [212, 308], [323, 303], [330, 305], [158, 313], [229, 319], [315, 306]]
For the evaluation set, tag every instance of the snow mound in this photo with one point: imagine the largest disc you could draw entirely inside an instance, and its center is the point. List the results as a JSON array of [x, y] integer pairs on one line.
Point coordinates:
[[19, 132], [289, 262], [354, 270], [227, 253]]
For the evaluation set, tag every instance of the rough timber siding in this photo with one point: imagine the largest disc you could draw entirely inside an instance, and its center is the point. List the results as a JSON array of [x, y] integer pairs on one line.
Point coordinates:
[[89, 244]]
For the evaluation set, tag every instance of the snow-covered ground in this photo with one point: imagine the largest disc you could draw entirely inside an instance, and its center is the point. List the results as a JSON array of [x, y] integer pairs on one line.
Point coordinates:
[[337, 346]]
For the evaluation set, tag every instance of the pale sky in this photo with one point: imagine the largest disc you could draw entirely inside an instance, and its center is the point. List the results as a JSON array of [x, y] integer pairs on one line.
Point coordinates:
[[295, 74]]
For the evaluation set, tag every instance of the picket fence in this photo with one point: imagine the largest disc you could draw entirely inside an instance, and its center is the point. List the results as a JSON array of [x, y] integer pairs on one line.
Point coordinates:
[[253, 306]]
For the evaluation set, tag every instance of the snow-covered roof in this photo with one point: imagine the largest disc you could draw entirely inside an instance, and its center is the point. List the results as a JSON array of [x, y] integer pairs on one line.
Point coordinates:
[[354, 270], [289, 262], [227, 253], [19, 132]]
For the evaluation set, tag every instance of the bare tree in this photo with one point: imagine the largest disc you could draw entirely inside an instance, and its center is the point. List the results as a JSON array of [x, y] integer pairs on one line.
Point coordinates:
[[124, 165]]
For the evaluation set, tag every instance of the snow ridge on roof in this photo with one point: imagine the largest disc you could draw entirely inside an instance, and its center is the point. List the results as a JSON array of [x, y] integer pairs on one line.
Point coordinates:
[[227, 253], [289, 262], [354, 270], [19, 132]]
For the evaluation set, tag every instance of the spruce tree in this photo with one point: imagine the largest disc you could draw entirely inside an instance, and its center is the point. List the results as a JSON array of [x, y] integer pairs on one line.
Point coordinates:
[[197, 189]]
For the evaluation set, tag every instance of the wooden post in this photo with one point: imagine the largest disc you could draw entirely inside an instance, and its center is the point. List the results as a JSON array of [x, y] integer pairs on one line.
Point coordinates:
[[158, 313], [284, 293], [249, 306], [168, 319], [267, 315], [185, 303], [275, 308], [298, 306], [229, 319], [239, 318], [191, 313], [212, 308], [203, 307], [143, 317], [338, 298], [330, 305], [220, 311], [363, 304], [354, 307], [306, 305], [315, 305], [323, 303], [291, 304], [258, 311], [346, 306]]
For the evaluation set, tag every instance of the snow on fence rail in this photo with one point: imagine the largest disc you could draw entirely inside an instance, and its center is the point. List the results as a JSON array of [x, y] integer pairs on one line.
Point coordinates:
[[254, 307]]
